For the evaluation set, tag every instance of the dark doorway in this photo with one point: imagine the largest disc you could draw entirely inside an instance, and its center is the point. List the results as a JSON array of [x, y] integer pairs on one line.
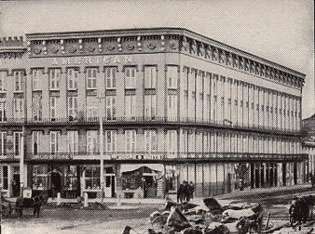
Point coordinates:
[[271, 169], [284, 174], [257, 181], [16, 185], [252, 175], [55, 183], [262, 176], [149, 187], [295, 173], [276, 175]]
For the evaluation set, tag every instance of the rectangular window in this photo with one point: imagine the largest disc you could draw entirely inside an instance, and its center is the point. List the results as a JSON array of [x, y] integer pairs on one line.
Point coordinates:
[[72, 78], [36, 76], [91, 78], [110, 77], [130, 107], [92, 178], [37, 107], [92, 142], [172, 107], [73, 142], [18, 105], [54, 142], [53, 108], [111, 107], [54, 77], [4, 183], [3, 116], [130, 77], [72, 108], [150, 106], [171, 76], [3, 77], [150, 141], [110, 138], [150, 77], [17, 136], [3, 136], [171, 139], [92, 107], [36, 138], [40, 177], [130, 141], [18, 81]]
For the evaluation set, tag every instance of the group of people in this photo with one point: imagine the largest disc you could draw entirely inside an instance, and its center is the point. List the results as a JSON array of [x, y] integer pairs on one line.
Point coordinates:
[[185, 192]]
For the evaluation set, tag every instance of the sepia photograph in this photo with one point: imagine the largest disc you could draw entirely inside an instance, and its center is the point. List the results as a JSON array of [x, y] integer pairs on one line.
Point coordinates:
[[157, 117]]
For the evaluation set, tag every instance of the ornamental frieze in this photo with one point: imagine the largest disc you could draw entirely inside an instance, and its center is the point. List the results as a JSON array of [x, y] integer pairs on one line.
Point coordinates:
[[157, 43]]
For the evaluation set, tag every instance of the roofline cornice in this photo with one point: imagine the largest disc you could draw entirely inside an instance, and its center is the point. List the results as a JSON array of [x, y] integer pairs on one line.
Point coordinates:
[[159, 31]]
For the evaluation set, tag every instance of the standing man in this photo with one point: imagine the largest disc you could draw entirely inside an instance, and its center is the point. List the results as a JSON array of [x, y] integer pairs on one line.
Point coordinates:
[[180, 193], [191, 189]]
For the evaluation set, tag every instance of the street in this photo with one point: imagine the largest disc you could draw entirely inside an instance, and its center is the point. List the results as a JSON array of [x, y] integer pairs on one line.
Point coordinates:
[[79, 221]]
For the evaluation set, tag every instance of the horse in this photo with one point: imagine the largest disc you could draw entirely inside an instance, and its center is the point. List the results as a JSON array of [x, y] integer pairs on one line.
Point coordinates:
[[34, 202]]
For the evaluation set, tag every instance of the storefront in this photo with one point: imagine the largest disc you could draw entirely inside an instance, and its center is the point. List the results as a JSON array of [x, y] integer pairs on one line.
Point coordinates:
[[55, 179], [10, 180], [142, 180]]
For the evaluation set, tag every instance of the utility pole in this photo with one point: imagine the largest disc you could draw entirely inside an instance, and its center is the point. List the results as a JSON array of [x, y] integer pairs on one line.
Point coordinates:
[[101, 148]]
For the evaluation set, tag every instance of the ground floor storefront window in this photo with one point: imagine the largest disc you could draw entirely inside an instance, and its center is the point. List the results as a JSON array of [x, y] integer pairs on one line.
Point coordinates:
[[142, 181], [91, 180], [40, 178], [4, 184]]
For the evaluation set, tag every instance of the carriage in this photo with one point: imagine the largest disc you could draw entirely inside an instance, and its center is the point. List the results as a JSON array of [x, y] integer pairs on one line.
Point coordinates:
[[17, 207]]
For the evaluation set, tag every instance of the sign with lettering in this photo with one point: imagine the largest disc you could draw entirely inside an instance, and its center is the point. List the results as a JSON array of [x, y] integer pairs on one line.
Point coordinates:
[[92, 60], [137, 156], [52, 157]]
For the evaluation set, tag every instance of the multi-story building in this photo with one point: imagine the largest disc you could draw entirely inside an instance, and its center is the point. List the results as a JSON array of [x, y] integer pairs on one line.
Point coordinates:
[[308, 130], [138, 111]]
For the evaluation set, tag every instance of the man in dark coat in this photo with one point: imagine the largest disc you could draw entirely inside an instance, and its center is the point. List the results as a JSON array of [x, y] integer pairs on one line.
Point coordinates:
[[191, 189], [180, 192]]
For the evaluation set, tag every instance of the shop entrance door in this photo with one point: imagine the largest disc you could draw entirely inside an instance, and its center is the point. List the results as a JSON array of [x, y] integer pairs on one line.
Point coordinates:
[[109, 185], [55, 183], [150, 187], [16, 185]]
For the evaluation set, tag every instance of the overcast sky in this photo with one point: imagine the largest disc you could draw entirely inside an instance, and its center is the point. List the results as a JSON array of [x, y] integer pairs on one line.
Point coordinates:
[[281, 31]]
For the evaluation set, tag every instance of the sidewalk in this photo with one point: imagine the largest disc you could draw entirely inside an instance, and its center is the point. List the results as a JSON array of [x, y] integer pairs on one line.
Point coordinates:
[[247, 194]]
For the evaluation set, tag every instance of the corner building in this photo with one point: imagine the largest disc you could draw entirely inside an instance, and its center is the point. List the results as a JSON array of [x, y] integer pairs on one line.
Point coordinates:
[[135, 112]]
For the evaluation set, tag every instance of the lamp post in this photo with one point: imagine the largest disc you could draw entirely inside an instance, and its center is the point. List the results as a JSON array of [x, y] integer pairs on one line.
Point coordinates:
[[22, 162], [101, 148]]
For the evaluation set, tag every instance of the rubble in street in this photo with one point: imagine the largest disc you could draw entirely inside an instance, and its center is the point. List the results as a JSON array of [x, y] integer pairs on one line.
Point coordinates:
[[210, 217]]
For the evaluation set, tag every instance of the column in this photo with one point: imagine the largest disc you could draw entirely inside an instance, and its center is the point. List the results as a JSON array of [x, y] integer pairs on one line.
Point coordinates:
[[234, 102], [206, 97], [271, 110], [220, 99], [199, 95], [266, 111], [240, 103], [227, 99], [192, 94], [182, 102], [245, 105], [275, 111]]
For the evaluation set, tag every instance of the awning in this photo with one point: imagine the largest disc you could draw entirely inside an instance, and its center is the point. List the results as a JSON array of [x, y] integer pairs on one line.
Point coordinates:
[[132, 167]]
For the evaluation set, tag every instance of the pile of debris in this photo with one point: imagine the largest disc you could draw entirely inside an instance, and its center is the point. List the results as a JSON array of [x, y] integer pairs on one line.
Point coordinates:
[[209, 217]]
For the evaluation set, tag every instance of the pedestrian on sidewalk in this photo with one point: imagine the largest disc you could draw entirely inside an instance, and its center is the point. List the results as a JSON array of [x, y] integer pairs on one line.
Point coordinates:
[[191, 190], [180, 192], [186, 192]]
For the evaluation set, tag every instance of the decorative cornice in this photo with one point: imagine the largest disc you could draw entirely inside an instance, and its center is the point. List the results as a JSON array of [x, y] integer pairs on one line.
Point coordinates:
[[11, 47], [154, 40]]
